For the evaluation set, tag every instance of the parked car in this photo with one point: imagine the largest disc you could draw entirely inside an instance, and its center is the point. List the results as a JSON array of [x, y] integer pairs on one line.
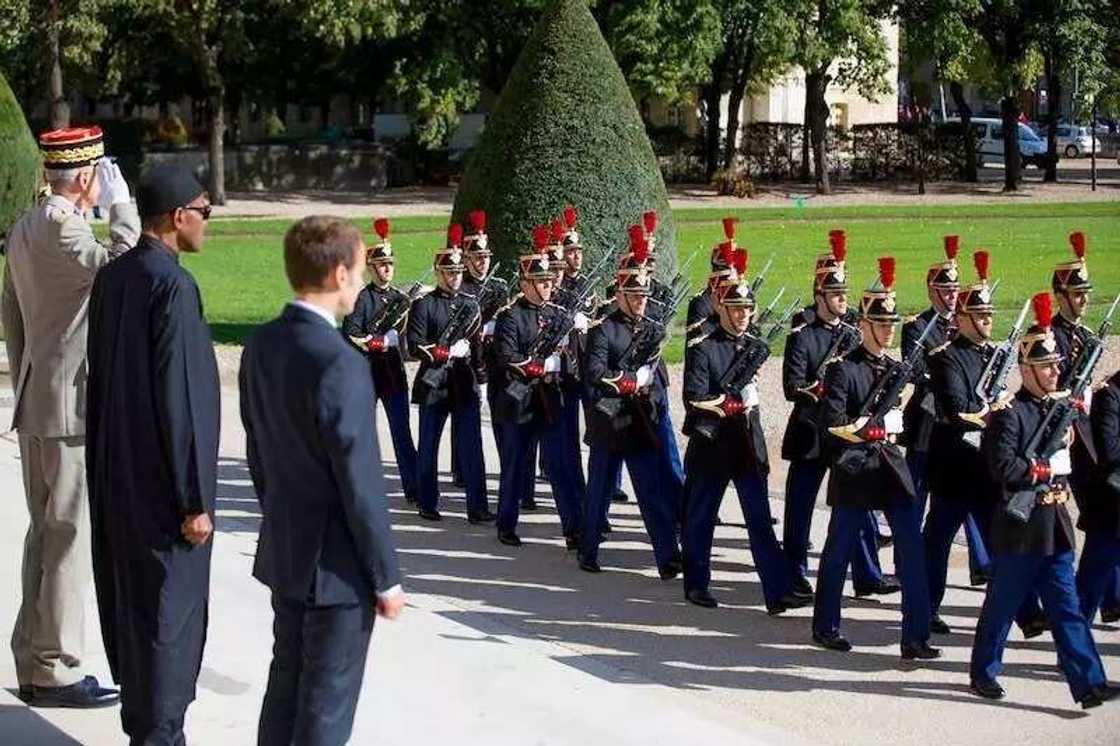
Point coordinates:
[[988, 132], [1075, 141]]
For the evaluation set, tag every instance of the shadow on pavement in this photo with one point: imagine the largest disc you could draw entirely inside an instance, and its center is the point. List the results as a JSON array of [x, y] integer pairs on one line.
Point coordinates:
[[22, 726]]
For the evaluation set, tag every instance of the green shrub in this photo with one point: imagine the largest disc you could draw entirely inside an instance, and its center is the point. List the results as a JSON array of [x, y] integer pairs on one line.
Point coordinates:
[[20, 168], [566, 131]]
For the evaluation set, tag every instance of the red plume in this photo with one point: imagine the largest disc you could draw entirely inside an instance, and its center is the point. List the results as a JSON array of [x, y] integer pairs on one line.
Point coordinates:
[[1077, 241], [570, 217], [454, 235], [381, 227], [558, 231], [982, 262], [541, 235], [952, 246], [727, 253], [649, 219], [639, 245], [478, 221], [886, 271], [729, 225], [741, 260], [839, 241], [1043, 309]]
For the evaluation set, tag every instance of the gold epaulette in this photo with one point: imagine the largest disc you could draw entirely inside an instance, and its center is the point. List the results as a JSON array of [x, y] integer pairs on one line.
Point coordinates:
[[697, 340], [910, 319], [939, 348], [799, 327]]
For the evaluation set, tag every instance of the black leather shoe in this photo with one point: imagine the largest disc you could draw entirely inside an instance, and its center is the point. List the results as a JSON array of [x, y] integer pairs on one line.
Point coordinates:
[[1035, 627], [620, 497], [802, 587], [509, 538], [938, 626], [1090, 700], [885, 587], [589, 565], [430, 515], [571, 543], [882, 541], [701, 597], [486, 517], [787, 602], [1107, 691], [921, 651], [670, 569], [26, 693], [979, 578], [832, 642], [529, 504], [85, 694], [1108, 616], [989, 689]]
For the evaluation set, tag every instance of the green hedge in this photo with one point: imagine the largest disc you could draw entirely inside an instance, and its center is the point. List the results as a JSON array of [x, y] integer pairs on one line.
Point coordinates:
[[20, 167], [566, 131]]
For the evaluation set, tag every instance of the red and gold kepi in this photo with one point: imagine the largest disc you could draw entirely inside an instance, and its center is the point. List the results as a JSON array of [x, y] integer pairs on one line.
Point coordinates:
[[633, 273], [1038, 346], [450, 259], [944, 275], [476, 242], [381, 252], [735, 290], [537, 264], [829, 274], [73, 147], [977, 297], [1074, 274], [878, 302]]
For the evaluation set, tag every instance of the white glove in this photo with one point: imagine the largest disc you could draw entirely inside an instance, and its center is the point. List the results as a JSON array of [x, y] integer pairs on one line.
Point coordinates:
[[1059, 463], [581, 322], [114, 189], [488, 328], [644, 376], [750, 395], [892, 422], [392, 338], [459, 349], [552, 363], [1087, 398]]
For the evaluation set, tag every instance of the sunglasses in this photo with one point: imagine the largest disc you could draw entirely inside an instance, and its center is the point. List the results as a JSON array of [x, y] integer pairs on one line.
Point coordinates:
[[203, 212]]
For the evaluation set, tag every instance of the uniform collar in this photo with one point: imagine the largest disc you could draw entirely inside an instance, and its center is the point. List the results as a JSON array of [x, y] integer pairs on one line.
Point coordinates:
[[150, 242]]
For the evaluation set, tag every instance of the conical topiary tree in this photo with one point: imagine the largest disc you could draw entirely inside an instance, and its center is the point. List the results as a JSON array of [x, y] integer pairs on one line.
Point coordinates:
[[20, 168], [566, 131]]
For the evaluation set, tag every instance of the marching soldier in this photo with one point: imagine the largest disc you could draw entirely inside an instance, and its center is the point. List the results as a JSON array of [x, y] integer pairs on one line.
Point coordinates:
[[370, 329], [726, 444], [703, 316], [943, 287], [1037, 553], [819, 339], [1072, 288], [869, 472], [1100, 505], [571, 374], [623, 406], [529, 401], [440, 326]]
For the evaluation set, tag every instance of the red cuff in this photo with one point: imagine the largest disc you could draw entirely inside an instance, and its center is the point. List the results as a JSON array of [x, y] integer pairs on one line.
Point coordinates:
[[376, 344], [534, 369], [1040, 471], [627, 385], [817, 389], [440, 353], [875, 433], [732, 405], [1079, 405]]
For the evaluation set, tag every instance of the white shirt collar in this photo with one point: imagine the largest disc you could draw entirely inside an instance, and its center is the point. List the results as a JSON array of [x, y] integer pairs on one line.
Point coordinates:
[[317, 310]]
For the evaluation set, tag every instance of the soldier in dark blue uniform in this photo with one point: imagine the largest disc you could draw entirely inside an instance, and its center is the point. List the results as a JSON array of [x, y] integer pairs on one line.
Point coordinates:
[[379, 337], [1038, 553], [726, 444], [631, 436], [703, 316], [818, 339], [1100, 505], [451, 389], [1072, 288], [869, 472], [529, 401]]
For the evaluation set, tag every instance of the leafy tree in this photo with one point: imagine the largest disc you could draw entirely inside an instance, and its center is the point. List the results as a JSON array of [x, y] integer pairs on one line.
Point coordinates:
[[19, 161]]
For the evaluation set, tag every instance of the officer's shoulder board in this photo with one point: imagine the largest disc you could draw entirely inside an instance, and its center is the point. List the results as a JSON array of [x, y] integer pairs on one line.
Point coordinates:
[[697, 339], [940, 348], [592, 323], [799, 327]]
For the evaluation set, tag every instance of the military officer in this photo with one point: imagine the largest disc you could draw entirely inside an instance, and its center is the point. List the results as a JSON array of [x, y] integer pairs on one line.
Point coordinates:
[[440, 327], [1037, 553], [374, 332], [726, 444], [869, 472]]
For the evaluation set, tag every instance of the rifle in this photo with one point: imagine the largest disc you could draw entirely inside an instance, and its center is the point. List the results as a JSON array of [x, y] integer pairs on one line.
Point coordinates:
[[394, 310], [1050, 435], [843, 342], [768, 311], [993, 381], [1093, 345], [491, 291], [464, 311], [756, 283], [575, 298]]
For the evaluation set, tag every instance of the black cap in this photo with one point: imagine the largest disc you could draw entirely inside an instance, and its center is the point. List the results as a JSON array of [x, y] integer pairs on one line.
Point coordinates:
[[165, 188]]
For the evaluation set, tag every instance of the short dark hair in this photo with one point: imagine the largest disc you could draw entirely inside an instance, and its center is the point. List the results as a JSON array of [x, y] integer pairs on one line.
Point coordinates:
[[315, 246]]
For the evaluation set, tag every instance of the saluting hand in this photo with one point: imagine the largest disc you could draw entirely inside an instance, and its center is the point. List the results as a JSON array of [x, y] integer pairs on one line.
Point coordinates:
[[197, 528]]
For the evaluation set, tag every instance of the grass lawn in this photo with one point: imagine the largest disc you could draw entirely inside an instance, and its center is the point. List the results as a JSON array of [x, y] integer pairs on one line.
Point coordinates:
[[242, 279]]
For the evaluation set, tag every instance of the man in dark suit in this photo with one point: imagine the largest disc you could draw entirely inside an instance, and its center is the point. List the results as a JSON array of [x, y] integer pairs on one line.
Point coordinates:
[[326, 547]]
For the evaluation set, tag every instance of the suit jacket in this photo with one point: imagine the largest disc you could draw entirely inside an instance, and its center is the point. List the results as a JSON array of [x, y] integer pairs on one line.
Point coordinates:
[[52, 259], [306, 399]]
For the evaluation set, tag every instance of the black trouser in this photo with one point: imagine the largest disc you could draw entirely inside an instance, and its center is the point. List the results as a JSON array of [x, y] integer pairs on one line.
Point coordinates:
[[318, 659]]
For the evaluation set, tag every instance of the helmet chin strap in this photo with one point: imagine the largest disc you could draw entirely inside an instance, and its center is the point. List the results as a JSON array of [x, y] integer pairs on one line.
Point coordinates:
[[875, 336]]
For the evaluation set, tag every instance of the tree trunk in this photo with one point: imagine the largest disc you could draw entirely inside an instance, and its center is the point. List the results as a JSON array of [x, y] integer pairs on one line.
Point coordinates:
[[59, 108], [956, 90], [1012, 160], [816, 83], [711, 130], [806, 138], [1053, 113], [217, 154], [734, 101]]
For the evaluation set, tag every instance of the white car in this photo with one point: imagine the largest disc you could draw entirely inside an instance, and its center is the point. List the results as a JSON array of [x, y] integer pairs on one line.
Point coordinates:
[[1074, 141], [988, 132]]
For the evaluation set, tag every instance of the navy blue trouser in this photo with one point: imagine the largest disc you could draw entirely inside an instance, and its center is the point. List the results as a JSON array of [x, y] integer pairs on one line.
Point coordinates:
[[318, 660], [1013, 577], [519, 443], [704, 488], [658, 501], [843, 533], [468, 433], [569, 456], [803, 482], [1111, 600], [1096, 575], [668, 439], [978, 559], [396, 411]]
